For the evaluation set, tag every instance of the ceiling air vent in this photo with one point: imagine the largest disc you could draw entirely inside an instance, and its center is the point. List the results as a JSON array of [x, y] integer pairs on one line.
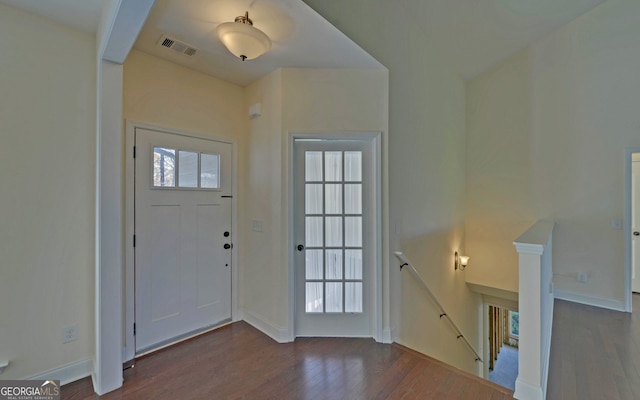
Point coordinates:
[[176, 45]]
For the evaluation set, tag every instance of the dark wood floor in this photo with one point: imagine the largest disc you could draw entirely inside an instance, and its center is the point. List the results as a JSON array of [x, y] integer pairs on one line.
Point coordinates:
[[595, 353], [239, 362]]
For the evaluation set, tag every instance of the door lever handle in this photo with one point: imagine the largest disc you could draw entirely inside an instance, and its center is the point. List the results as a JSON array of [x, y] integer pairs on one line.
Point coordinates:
[[636, 233]]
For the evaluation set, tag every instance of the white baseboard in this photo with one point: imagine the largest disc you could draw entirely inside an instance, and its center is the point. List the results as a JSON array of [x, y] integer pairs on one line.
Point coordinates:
[[596, 301], [67, 373], [527, 391], [280, 335], [388, 335], [238, 315]]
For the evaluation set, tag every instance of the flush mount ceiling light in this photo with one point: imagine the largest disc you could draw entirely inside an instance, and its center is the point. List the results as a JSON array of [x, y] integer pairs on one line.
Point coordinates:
[[242, 39]]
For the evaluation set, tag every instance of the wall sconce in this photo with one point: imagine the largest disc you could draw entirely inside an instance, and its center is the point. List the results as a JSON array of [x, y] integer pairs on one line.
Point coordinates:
[[242, 39], [460, 262]]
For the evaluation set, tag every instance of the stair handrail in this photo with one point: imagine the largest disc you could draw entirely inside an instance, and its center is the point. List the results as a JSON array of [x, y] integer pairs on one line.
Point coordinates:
[[443, 312]]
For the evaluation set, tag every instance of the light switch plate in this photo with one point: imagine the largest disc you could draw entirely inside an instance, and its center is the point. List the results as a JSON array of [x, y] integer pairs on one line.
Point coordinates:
[[257, 225]]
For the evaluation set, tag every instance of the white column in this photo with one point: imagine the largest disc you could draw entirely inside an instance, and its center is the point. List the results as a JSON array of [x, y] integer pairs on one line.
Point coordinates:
[[109, 295], [120, 24], [535, 309], [528, 384]]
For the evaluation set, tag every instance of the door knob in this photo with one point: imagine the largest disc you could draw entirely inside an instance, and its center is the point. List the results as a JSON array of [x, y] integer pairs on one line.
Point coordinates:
[[228, 246], [300, 247], [226, 234], [636, 233]]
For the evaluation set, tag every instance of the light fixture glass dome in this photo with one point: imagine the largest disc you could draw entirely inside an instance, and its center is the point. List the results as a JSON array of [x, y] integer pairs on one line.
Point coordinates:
[[242, 39]]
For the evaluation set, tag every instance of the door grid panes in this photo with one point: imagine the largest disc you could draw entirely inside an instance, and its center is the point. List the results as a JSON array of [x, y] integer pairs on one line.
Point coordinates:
[[333, 232], [194, 170]]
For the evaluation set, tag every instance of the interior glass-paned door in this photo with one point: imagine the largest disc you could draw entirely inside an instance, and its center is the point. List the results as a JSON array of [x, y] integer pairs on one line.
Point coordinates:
[[331, 221], [333, 235]]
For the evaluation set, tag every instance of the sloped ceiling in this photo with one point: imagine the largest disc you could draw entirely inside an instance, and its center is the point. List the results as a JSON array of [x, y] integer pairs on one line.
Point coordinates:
[[474, 35], [83, 15]]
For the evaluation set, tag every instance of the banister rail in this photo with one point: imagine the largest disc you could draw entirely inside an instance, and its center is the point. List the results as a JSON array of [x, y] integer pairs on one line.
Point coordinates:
[[405, 263]]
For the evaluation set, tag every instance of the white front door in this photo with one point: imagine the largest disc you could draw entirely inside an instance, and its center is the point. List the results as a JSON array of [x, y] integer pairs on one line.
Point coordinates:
[[635, 224], [183, 236], [335, 233]]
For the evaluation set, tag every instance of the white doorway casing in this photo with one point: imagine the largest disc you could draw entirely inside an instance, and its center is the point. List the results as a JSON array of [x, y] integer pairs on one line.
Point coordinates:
[[129, 350], [635, 221], [628, 226], [183, 236], [488, 301], [334, 238], [375, 141]]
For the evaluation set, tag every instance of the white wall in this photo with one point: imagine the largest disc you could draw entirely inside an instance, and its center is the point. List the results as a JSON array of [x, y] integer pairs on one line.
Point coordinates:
[[166, 94], [581, 87], [47, 126], [500, 202], [265, 282], [294, 100], [426, 146]]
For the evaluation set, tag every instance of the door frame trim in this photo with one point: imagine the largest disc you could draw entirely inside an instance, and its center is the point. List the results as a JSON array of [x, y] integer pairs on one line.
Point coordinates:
[[129, 350], [626, 226], [511, 305], [375, 139]]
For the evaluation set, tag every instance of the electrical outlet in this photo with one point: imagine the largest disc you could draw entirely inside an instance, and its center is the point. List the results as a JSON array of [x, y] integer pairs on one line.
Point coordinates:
[[70, 333], [3, 364]]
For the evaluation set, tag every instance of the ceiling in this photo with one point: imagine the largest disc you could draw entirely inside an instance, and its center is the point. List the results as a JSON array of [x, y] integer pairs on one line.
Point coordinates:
[[473, 35], [80, 14], [293, 27]]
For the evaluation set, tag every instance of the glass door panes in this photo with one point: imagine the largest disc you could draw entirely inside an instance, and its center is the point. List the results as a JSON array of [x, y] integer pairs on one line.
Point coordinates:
[[194, 170], [209, 171], [188, 169], [164, 167], [333, 232]]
